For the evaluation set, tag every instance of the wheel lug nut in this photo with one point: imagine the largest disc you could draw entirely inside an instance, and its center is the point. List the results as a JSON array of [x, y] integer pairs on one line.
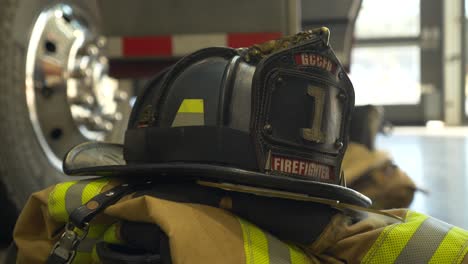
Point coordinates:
[[96, 123], [120, 96], [101, 41], [103, 60], [118, 116], [89, 72], [92, 50], [83, 99], [108, 126], [88, 99], [76, 73], [97, 120]]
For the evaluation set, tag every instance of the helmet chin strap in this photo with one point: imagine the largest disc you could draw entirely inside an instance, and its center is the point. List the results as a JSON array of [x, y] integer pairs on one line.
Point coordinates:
[[348, 209]]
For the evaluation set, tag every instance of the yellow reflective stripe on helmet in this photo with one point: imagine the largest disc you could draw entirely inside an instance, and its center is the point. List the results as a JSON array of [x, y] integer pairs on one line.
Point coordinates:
[[262, 248], [92, 189], [393, 239], [255, 244], [192, 106], [190, 113], [57, 208], [453, 248]]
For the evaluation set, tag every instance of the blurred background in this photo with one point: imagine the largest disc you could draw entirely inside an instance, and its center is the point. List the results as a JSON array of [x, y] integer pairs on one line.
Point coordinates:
[[70, 72]]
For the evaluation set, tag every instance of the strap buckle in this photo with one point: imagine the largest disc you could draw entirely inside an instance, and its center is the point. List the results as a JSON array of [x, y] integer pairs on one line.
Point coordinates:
[[64, 250]]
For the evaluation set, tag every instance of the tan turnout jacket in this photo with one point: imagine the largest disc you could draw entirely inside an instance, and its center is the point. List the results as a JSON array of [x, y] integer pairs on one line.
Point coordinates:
[[204, 234]]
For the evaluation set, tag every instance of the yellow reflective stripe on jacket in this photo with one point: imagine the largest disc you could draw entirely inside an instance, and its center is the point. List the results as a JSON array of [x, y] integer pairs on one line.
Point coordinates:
[[419, 239], [262, 248], [86, 252], [67, 196], [393, 239], [112, 234], [94, 256], [92, 189], [297, 255], [88, 245], [430, 234], [56, 201], [453, 248], [255, 244]]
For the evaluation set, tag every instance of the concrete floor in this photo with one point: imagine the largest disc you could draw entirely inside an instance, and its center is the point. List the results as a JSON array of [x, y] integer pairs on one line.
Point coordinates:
[[436, 159]]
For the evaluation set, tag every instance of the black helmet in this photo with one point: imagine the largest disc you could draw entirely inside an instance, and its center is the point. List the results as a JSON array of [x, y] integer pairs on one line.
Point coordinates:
[[273, 116]]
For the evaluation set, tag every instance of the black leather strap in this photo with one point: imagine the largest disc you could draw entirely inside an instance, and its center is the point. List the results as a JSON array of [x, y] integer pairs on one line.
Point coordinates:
[[215, 145], [88, 211], [83, 214]]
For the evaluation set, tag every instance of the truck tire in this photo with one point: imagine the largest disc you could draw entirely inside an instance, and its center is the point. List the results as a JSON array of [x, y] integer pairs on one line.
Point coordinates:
[[25, 165]]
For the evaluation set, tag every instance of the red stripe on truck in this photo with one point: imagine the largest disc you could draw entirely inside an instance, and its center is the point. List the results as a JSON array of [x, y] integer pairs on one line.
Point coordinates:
[[161, 46], [239, 40], [147, 46]]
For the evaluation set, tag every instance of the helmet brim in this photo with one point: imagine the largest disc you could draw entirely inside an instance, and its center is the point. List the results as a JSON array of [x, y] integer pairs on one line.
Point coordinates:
[[106, 159]]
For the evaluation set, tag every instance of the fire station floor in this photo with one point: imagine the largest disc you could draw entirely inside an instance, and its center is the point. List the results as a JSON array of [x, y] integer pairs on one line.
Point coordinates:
[[437, 160]]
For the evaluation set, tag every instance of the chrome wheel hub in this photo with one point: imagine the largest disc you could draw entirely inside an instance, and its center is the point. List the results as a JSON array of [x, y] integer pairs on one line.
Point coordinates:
[[70, 97]]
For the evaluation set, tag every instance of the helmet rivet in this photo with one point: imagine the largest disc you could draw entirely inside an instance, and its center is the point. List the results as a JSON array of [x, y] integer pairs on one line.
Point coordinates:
[[338, 144], [341, 75], [268, 128], [342, 96], [92, 205], [279, 81]]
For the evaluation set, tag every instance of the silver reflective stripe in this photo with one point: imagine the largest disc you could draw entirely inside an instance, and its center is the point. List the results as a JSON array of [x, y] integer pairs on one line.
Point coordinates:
[[73, 196], [424, 242], [87, 245], [277, 250]]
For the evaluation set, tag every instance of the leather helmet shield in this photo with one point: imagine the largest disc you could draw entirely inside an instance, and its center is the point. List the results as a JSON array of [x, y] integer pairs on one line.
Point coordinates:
[[302, 111]]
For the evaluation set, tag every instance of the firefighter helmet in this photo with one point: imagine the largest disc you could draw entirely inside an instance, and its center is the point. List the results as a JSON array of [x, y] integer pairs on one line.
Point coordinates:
[[272, 116]]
